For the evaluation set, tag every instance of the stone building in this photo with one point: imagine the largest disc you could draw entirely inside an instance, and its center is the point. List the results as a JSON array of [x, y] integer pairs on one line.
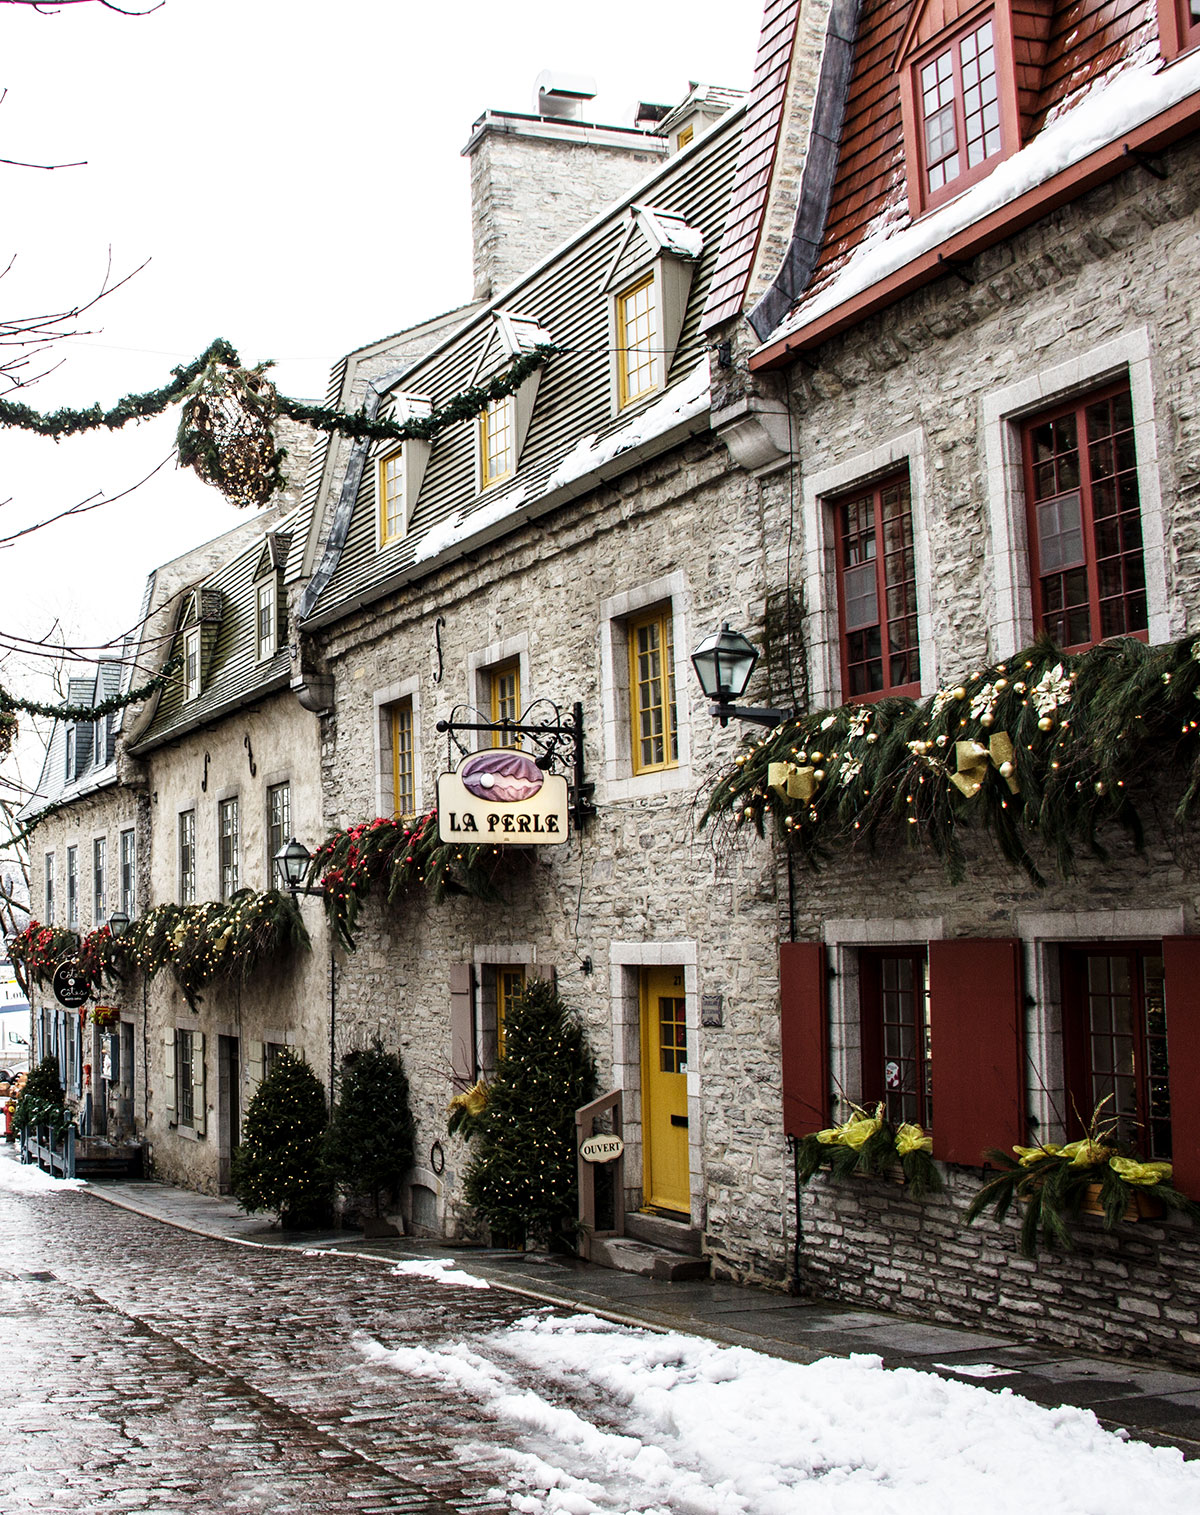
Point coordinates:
[[960, 316]]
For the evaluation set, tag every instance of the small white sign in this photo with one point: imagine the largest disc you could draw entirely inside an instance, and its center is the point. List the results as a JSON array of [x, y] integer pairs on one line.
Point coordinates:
[[601, 1149]]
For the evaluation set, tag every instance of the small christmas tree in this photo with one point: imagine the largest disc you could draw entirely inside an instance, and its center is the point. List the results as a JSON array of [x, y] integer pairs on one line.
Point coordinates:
[[523, 1179], [279, 1163], [41, 1100], [369, 1144]]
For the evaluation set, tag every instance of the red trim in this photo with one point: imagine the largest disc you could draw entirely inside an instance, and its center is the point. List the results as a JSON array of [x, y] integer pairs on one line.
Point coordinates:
[[1105, 163], [1181, 970], [804, 1036], [1177, 32], [839, 506]]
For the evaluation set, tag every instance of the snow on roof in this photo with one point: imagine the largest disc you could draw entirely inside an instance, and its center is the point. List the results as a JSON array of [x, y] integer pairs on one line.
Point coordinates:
[[1115, 105]]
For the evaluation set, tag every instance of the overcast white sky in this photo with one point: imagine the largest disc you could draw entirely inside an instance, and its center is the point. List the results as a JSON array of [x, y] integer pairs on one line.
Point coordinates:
[[291, 169]]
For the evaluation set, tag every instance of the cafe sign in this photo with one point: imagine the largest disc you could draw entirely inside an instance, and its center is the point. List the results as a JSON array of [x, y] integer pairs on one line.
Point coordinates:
[[501, 797]]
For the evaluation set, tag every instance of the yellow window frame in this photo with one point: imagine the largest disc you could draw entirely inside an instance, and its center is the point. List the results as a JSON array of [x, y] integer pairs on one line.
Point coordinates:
[[504, 696], [404, 789], [684, 138], [637, 333], [510, 986], [391, 497], [497, 442], [654, 737]]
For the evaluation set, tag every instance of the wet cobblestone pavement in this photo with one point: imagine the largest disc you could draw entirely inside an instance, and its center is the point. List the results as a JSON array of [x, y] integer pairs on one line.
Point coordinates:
[[152, 1369]]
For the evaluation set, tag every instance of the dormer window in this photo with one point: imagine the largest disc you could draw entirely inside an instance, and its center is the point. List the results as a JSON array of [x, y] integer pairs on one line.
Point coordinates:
[[648, 280], [399, 473], [1178, 26], [391, 497], [497, 449], [504, 424], [960, 112], [265, 618], [637, 328], [191, 665]]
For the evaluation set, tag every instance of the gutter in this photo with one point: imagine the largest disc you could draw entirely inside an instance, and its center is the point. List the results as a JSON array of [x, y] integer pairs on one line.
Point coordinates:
[[681, 432], [1105, 163]]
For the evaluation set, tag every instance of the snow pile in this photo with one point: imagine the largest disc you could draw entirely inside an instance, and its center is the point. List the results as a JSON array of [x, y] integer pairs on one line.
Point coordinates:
[[20, 1178], [442, 1270], [1132, 97], [625, 1422], [457, 528]]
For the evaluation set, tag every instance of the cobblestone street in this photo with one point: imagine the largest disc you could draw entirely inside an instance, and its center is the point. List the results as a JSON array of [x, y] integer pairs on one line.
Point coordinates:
[[152, 1369]]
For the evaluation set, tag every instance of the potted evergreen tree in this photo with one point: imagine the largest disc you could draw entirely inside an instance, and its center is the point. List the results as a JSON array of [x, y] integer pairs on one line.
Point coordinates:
[[279, 1164], [369, 1144]]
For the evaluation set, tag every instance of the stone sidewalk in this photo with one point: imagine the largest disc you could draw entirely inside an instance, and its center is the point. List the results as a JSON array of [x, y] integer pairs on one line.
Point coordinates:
[[1161, 1406]]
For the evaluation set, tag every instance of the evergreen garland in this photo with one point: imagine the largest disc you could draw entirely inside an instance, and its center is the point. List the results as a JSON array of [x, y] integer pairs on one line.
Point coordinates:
[[369, 1144], [67, 712], [395, 854], [37, 951], [278, 1165], [870, 1144], [523, 1177], [1089, 734]]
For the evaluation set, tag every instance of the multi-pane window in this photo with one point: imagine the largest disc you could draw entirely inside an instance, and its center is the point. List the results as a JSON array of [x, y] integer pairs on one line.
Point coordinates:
[[877, 590], [187, 857], [959, 109], [71, 737], [72, 886], [99, 880], [1115, 1044], [637, 338], [510, 986], [265, 618], [279, 822], [1085, 522], [497, 442], [49, 898], [896, 1045], [672, 1033], [227, 845], [504, 695], [404, 788], [191, 665], [655, 739], [128, 874], [391, 497], [184, 1092]]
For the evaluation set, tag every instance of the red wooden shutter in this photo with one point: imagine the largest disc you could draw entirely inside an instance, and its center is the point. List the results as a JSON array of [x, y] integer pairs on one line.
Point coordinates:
[[462, 1025], [977, 1025], [1181, 968], [804, 1036]]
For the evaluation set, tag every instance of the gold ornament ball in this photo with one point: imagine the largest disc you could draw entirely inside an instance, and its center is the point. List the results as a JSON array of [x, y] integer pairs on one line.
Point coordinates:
[[960, 693], [1006, 770], [986, 718], [1045, 724]]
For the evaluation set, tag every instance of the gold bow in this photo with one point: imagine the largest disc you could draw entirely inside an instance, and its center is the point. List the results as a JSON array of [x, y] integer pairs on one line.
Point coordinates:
[[791, 782], [973, 759]]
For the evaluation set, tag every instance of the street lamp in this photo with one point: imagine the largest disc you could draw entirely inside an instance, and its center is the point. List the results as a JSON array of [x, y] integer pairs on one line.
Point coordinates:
[[118, 924], [724, 662], [291, 866]]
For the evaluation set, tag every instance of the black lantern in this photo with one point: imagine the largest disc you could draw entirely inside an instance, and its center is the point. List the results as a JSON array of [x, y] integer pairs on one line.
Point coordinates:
[[118, 924], [291, 864], [724, 662]]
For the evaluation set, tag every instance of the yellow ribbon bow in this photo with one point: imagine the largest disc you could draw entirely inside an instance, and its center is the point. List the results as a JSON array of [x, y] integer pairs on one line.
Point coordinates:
[[973, 759], [792, 781], [910, 1138], [1134, 1172]]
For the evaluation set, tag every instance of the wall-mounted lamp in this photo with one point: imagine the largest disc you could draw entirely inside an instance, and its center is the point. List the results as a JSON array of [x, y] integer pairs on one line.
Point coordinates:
[[291, 866], [118, 924], [724, 662]]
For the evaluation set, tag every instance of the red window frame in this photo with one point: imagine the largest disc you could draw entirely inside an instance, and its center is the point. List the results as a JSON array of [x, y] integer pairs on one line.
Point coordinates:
[[874, 515], [893, 1002], [1178, 27], [1083, 509], [1115, 1042]]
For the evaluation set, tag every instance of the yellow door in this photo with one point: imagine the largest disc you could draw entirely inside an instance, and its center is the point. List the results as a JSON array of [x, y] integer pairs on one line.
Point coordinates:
[[664, 1090]]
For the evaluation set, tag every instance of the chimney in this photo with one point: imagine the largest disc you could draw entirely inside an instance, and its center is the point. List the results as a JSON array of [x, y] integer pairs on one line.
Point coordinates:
[[536, 179]]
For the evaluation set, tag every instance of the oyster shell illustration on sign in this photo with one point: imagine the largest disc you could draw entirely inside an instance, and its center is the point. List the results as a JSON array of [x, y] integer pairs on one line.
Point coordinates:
[[502, 777]]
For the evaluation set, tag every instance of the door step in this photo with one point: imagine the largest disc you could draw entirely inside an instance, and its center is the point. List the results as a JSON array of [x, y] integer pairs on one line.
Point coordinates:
[[658, 1231], [630, 1256]]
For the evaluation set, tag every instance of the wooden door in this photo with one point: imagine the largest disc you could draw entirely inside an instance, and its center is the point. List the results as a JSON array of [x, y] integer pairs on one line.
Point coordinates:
[[664, 1091]]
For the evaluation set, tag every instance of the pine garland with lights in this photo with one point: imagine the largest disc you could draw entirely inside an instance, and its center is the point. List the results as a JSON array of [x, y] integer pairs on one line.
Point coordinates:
[[102, 956], [1040, 750], [396, 855], [369, 1143], [522, 1178], [66, 711], [278, 1166]]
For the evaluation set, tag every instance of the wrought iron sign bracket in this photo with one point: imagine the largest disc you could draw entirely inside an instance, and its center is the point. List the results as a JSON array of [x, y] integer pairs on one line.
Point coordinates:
[[558, 744]]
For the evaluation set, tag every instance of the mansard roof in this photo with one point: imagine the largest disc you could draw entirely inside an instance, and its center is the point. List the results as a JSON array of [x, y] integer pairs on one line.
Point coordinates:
[[94, 762]]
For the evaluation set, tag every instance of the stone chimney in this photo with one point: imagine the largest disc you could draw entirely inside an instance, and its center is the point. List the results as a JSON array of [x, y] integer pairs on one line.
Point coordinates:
[[536, 179]]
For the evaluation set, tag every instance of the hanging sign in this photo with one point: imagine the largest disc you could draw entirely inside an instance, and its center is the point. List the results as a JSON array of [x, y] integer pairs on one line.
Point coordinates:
[[601, 1149], [70, 986], [501, 796]]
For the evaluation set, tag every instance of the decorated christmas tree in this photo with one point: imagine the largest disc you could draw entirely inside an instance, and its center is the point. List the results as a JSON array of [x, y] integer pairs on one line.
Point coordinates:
[[279, 1164], [522, 1179], [41, 1100], [369, 1144]]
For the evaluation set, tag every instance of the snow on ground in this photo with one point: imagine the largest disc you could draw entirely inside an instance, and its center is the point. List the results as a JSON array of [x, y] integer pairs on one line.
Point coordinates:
[[596, 1419], [443, 1271], [19, 1178]]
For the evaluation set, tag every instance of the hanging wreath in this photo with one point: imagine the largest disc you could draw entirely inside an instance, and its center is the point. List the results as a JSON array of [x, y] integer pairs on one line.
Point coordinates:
[[226, 432]]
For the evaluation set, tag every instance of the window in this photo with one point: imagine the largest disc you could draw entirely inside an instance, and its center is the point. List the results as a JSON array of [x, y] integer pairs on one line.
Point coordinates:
[[400, 731], [684, 139], [191, 665], [279, 824], [391, 497], [187, 857], [959, 111], [227, 840], [71, 741], [637, 337], [265, 618], [510, 986], [504, 700], [72, 886], [49, 909], [1178, 25], [99, 883], [655, 740], [877, 590], [497, 443], [186, 1097], [1115, 1043], [128, 874], [1085, 521], [894, 1002], [272, 1052]]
